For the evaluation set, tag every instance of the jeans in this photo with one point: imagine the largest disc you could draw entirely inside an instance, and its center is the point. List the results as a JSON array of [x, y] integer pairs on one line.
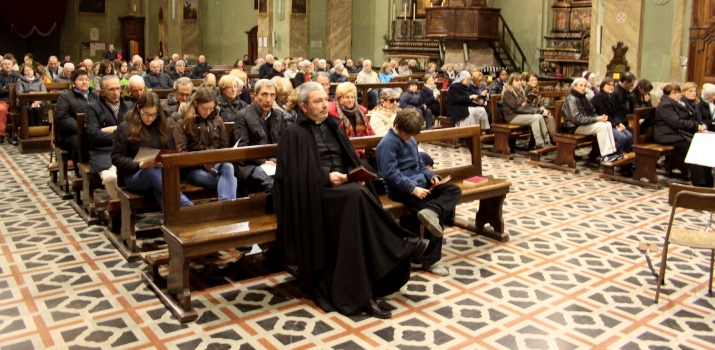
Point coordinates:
[[150, 179], [223, 180], [624, 140], [265, 180]]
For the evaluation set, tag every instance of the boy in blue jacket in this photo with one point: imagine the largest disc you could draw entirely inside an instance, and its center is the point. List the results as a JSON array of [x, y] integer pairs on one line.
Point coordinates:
[[413, 98], [407, 180]]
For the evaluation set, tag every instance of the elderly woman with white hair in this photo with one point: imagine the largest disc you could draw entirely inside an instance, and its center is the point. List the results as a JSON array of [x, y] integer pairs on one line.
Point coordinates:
[[580, 118], [305, 73], [706, 105], [461, 104]]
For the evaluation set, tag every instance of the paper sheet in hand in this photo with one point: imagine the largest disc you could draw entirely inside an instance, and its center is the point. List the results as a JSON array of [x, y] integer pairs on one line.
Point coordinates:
[[270, 170], [146, 153], [443, 181], [361, 174], [700, 150]]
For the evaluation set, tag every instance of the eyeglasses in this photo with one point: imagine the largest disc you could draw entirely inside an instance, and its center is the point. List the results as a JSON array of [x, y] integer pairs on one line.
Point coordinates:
[[148, 115], [392, 100], [114, 89], [348, 97]]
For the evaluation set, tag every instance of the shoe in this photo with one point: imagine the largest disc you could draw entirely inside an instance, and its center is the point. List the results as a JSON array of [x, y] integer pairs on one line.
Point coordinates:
[[2, 139], [436, 269], [611, 158], [431, 221], [420, 247], [374, 310]]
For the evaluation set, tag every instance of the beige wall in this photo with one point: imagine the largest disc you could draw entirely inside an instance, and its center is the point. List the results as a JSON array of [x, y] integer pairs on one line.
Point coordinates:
[[529, 21]]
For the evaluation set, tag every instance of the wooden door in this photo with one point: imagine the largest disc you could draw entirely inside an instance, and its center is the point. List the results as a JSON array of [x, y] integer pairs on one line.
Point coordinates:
[[132, 29], [701, 52], [253, 44]]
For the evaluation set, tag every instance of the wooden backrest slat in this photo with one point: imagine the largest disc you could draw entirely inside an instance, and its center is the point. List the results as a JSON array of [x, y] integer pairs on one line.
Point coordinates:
[[24, 98], [57, 86], [634, 120], [558, 116], [172, 163], [82, 139], [494, 106]]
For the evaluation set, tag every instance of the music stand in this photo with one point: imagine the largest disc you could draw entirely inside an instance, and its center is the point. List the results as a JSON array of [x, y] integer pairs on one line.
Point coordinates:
[[699, 154]]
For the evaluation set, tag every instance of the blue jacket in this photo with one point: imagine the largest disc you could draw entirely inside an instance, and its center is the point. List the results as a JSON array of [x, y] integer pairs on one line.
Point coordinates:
[[400, 166], [384, 78], [409, 99]]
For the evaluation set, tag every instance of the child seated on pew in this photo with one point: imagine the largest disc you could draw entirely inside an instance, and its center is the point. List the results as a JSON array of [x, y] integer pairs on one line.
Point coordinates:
[[200, 129], [409, 181]]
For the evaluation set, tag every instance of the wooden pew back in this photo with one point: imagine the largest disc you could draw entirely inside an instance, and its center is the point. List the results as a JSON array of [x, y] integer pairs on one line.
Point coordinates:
[[82, 139], [634, 120]]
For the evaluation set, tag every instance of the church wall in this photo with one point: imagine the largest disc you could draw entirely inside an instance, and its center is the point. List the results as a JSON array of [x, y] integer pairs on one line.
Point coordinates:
[[529, 21], [371, 20], [222, 29], [76, 29]]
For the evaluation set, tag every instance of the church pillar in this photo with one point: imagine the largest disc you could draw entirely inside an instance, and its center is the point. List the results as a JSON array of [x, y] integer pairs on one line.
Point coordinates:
[[339, 24], [621, 21], [298, 36], [265, 28]]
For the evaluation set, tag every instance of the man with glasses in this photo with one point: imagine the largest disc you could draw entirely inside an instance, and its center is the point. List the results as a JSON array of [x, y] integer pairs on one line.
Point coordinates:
[[259, 124], [101, 121], [182, 92]]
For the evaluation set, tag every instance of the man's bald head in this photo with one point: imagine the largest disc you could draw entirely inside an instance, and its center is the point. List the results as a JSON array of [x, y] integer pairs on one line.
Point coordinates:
[[136, 87]]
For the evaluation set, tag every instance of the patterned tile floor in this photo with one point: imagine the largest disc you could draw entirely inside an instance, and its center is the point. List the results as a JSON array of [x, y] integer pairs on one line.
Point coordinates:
[[570, 277]]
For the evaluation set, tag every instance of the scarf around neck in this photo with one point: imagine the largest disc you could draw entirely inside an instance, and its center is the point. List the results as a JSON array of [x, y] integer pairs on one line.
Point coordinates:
[[352, 131], [587, 106]]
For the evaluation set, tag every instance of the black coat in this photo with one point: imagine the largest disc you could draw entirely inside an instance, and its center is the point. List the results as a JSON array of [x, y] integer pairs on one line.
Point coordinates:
[[98, 116], [68, 105], [157, 81], [706, 114], [672, 118], [265, 70], [409, 99], [605, 103], [5, 80], [338, 78], [110, 55], [229, 111], [249, 130], [458, 102], [623, 105], [199, 70], [176, 75]]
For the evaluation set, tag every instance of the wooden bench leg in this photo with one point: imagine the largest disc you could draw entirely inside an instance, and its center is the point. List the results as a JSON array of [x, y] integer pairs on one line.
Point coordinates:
[[501, 143], [565, 154], [126, 241], [490, 212], [174, 291], [645, 170]]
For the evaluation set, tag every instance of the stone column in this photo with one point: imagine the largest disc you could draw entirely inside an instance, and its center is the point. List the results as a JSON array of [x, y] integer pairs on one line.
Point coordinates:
[[265, 29], [298, 46], [622, 21]]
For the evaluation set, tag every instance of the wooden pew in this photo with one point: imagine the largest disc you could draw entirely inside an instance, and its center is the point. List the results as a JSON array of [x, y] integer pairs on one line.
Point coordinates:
[[122, 214], [211, 227], [60, 168], [13, 116], [197, 82], [503, 131], [83, 192], [26, 143], [566, 145]]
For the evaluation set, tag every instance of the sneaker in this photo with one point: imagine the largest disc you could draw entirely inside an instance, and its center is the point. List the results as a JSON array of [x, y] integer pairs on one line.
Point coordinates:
[[431, 221], [611, 158], [436, 269]]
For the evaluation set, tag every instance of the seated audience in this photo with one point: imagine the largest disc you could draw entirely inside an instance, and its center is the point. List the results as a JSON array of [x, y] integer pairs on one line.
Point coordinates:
[[68, 59], [239, 65], [580, 118], [322, 66], [266, 70], [105, 68], [640, 96], [414, 67], [337, 76], [368, 76], [498, 85], [323, 79], [533, 97], [621, 92], [591, 89], [430, 94], [209, 81], [383, 116], [393, 67], [244, 92], [229, 102], [461, 107], [144, 126], [385, 75], [180, 94], [155, 79], [121, 68], [9, 56], [246, 60], [138, 63], [284, 89], [7, 77], [605, 103], [675, 124], [53, 68], [304, 74], [179, 71], [42, 72], [352, 259], [257, 66], [292, 70], [478, 87], [707, 108], [135, 89], [66, 74], [518, 111], [449, 72], [101, 122], [259, 124], [186, 60], [404, 68], [350, 66], [30, 81], [352, 116], [431, 68], [200, 129], [277, 70], [68, 105], [201, 69], [413, 99], [408, 180]]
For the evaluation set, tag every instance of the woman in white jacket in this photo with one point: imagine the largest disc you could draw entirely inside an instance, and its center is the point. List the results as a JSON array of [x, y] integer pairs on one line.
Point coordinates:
[[382, 117]]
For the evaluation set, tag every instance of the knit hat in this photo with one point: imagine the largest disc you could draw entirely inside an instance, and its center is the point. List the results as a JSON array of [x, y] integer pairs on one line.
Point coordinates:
[[461, 76], [587, 74]]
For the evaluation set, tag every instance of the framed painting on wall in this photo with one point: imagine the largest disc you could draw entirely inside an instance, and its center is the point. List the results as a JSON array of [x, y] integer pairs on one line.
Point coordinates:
[[262, 6], [92, 6], [191, 9], [561, 20], [298, 6]]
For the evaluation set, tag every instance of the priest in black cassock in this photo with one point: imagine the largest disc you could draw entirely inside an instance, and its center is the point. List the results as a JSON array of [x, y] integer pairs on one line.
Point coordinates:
[[331, 229]]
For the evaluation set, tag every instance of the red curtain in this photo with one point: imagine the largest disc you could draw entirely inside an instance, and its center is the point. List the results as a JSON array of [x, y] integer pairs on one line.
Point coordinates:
[[27, 16]]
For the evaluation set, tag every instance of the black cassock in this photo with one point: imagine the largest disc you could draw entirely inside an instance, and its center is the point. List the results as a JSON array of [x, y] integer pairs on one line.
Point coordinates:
[[352, 247]]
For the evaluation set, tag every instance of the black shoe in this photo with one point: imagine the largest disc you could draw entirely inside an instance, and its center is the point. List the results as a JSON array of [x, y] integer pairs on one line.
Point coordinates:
[[374, 310], [420, 247]]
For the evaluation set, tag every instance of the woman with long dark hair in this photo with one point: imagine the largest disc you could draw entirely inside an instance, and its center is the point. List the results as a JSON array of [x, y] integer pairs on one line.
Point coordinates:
[[144, 126]]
